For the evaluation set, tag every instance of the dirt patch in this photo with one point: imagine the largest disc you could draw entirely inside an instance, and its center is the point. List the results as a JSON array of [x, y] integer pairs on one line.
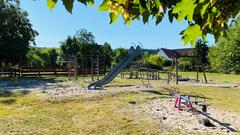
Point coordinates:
[[225, 122]]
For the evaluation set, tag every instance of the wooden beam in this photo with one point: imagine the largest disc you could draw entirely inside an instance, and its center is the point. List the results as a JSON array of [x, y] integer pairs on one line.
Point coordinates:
[[92, 68], [197, 69], [170, 71], [204, 74], [176, 63]]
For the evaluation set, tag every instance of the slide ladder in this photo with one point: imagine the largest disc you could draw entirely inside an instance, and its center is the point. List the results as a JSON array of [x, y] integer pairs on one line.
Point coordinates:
[[132, 53]]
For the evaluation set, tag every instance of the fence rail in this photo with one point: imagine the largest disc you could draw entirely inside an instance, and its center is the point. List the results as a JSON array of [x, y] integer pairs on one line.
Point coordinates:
[[46, 71]]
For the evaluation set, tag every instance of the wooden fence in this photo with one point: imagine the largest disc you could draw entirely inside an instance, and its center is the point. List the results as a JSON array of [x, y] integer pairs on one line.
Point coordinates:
[[46, 71]]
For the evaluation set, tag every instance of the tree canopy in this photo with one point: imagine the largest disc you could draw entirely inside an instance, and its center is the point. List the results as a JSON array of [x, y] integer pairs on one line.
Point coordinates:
[[225, 55], [16, 33], [203, 16]]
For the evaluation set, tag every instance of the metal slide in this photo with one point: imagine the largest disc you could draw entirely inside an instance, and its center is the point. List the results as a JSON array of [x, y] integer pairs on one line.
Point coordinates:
[[132, 53]]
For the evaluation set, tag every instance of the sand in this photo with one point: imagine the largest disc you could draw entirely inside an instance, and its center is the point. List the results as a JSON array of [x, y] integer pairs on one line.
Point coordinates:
[[163, 110]]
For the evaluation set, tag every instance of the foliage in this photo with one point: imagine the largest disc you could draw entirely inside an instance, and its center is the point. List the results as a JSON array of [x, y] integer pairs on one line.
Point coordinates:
[[33, 58], [70, 47], [41, 57], [155, 61], [201, 50], [108, 53], [186, 64], [225, 55], [83, 44], [119, 54], [203, 16], [16, 33], [53, 54]]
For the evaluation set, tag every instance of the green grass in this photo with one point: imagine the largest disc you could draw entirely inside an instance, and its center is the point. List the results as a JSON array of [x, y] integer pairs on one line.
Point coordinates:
[[218, 77], [102, 114]]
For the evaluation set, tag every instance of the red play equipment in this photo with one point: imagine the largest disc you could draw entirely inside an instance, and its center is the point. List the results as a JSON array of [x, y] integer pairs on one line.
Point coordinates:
[[185, 100]]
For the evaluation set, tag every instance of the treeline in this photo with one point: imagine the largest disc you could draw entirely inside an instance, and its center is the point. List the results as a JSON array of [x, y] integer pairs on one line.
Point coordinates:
[[80, 45], [222, 57]]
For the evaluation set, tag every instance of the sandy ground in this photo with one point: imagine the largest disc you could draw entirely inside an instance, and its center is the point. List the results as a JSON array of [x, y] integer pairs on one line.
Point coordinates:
[[162, 110], [225, 122]]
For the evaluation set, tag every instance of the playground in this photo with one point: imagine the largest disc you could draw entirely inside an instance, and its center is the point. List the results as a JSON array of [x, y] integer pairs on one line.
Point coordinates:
[[138, 100], [55, 105]]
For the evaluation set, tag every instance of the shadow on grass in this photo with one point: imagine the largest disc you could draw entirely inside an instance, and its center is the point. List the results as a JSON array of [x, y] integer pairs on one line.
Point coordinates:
[[8, 101], [8, 93], [152, 92], [119, 85], [156, 92], [27, 82]]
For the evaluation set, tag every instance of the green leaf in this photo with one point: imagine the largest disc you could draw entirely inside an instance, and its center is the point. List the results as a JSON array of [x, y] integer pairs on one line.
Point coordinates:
[[145, 15], [91, 2], [170, 15], [191, 34], [104, 6], [185, 8], [113, 17], [214, 9], [204, 8], [83, 2], [68, 5], [51, 4], [204, 37], [158, 19]]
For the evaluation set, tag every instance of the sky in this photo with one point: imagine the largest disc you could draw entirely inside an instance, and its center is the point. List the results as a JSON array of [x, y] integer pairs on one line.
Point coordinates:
[[55, 25]]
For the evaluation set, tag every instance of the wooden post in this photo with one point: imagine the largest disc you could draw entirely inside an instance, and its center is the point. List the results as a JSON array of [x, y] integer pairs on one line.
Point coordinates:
[[20, 68], [75, 67], [82, 65], [68, 66], [98, 67], [92, 68], [170, 71], [55, 69], [131, 70], [197, 69], [204, 74], [38, 71], [176, 63]]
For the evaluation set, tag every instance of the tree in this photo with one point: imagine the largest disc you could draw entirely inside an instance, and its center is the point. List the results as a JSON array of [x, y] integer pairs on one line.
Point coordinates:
[[203, 16], [108, 53], [53, 54], [70, 47], [201, 50], [85, 37], [33, 58], [225, 55], [16, 33], [86, 41], [41, 57], [155, 61], [119, 54]]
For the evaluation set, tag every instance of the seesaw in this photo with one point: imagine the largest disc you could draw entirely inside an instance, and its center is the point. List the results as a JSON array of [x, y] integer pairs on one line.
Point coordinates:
[[185, 102]]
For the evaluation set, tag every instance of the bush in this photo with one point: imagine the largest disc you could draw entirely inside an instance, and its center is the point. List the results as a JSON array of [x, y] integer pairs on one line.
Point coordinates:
[[186, 64], [155, 61], [225, 55]]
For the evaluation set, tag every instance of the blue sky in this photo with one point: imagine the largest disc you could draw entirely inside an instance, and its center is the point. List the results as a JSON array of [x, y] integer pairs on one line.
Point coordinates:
[[54, 26]]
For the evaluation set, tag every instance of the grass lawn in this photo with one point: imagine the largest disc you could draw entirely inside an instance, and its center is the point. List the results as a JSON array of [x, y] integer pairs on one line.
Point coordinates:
[[28, 112], [31, 113], [219, 77]]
